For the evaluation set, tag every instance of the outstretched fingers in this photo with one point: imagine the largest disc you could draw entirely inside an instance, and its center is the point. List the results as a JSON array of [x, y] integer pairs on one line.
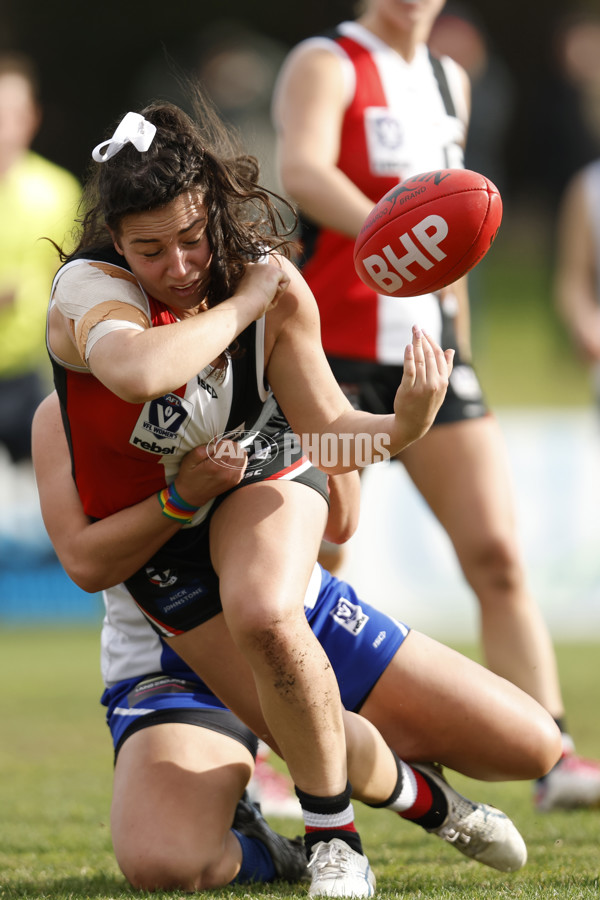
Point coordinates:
[[425, 361], [423, 387], [444, 359], [409, 373], [414, 359]]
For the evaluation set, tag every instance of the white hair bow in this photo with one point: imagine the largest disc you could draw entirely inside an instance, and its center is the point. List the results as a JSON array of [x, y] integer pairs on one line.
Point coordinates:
[[133, 129]]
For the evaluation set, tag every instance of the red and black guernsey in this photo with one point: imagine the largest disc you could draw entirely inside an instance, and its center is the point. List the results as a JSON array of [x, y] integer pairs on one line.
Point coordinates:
[[110, 471]]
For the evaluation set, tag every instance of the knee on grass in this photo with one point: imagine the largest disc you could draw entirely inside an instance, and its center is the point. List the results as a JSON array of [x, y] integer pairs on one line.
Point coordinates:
[[171, 869]]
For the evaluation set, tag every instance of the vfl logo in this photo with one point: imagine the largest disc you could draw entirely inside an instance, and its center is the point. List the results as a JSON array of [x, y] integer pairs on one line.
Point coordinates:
[[165, 416], [391, 272], [162, 420], [260, 449], [161, 578], [388, 132], [350, 616], [385, 139]]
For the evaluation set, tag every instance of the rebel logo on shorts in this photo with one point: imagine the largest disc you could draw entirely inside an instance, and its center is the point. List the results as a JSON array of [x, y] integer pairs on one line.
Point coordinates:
[[349, 615], [161, 424]]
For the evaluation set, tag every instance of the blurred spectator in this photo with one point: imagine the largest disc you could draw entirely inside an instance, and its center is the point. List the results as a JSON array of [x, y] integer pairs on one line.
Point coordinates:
[[565, 117], [577, 273], [236, 67], [459, 33], [37, 199]]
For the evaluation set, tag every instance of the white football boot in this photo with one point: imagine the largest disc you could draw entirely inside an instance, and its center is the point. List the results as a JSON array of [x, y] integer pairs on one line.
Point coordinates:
[[339, 871], [479, 831]]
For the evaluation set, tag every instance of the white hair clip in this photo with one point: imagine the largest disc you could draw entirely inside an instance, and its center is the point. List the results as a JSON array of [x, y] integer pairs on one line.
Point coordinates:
[[133, 129]]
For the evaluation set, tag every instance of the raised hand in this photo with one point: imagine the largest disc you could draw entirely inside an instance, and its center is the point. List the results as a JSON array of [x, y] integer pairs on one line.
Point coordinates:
[[424, 383]]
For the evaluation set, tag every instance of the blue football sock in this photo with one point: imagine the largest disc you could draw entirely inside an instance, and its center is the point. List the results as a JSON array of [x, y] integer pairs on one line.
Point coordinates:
[[257, 863]]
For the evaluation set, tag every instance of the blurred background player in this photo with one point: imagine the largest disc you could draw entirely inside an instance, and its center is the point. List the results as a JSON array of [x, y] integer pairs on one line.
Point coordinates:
[[564, 112], [577, 274], [460, 33], [357, 111], [38, 199]]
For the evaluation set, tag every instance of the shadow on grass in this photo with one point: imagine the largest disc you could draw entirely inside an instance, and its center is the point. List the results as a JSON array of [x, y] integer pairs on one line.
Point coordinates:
[[482, 887], [112, 887], [78, 887]]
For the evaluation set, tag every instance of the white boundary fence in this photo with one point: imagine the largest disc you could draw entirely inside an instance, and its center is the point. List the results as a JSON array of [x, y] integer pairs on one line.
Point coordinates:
[[555, 459], [400, 559]]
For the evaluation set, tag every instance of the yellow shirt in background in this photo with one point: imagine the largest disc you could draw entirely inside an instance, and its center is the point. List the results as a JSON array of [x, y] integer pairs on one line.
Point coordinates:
[[37, 199]]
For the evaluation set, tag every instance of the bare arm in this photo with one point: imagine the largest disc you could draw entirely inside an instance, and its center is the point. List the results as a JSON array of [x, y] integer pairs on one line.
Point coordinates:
[[308, 108], [314, 404], [576, 275], [99, 554], [344, 507], [140, 365]]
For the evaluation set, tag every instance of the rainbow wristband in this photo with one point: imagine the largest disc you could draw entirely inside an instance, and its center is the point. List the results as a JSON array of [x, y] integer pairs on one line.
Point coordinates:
[[175, 507]]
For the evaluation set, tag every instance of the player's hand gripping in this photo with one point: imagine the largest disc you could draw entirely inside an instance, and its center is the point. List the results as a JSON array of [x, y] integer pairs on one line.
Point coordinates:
[[423, 387], [261, 285], [210, 470]]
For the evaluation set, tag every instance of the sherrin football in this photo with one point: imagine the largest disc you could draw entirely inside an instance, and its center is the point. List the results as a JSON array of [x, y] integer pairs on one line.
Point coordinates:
[[427, 232]]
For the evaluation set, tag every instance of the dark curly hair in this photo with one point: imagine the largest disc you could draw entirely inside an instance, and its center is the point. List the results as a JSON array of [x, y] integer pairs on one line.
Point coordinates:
[[197, 154]]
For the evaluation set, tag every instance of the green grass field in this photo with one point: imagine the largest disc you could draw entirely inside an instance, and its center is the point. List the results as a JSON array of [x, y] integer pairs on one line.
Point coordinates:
[[55, 787]]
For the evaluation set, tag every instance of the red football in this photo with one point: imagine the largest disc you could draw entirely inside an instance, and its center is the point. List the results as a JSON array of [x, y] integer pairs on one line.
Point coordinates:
[[427, 232]]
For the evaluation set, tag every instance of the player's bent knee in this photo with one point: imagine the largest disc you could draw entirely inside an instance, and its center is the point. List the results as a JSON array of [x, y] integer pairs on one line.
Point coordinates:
[[542, 748], [259, 623], [550, 748], [172, 863], [172, 873]]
